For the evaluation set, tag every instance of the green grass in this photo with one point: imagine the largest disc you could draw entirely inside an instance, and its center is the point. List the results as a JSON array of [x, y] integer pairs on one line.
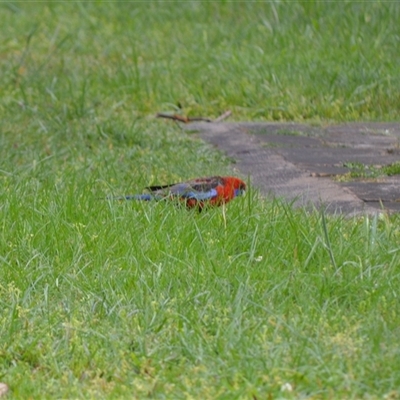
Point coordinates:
[[279, 60], [107, 299], [104, 299]]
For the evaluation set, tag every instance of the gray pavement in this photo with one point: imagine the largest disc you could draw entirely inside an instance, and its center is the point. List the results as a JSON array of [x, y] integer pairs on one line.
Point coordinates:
[[301, 163]]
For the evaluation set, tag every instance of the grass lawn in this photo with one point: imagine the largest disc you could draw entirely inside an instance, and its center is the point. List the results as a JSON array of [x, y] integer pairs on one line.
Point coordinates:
[[106, 299]]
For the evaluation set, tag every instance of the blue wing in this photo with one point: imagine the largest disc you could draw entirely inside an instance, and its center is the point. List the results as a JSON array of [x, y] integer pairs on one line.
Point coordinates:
[[187, 191], [200, 195]]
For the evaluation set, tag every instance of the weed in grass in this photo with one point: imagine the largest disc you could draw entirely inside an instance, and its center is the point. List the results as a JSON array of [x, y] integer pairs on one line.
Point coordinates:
[[359, 170], [391, 169]]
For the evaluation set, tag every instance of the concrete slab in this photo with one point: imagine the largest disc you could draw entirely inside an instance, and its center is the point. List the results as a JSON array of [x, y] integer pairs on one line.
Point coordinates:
[[299, 162]]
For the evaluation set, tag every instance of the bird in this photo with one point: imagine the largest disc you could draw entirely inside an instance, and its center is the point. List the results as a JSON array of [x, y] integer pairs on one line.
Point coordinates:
[[198, 192]]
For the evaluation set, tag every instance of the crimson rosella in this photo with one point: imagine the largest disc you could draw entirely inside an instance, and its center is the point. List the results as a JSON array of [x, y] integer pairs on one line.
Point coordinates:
[[214, 191]]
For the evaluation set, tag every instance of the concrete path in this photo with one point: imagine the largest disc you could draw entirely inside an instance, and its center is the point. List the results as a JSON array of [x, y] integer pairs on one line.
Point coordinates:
[[301, 163]]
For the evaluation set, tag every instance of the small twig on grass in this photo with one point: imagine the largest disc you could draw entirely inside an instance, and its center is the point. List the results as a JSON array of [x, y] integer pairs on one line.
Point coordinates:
[[186, 120], [223, 116], [180, 118]]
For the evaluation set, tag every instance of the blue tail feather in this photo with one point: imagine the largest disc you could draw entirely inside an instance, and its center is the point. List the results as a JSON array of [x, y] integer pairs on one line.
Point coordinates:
[[144, 197]]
